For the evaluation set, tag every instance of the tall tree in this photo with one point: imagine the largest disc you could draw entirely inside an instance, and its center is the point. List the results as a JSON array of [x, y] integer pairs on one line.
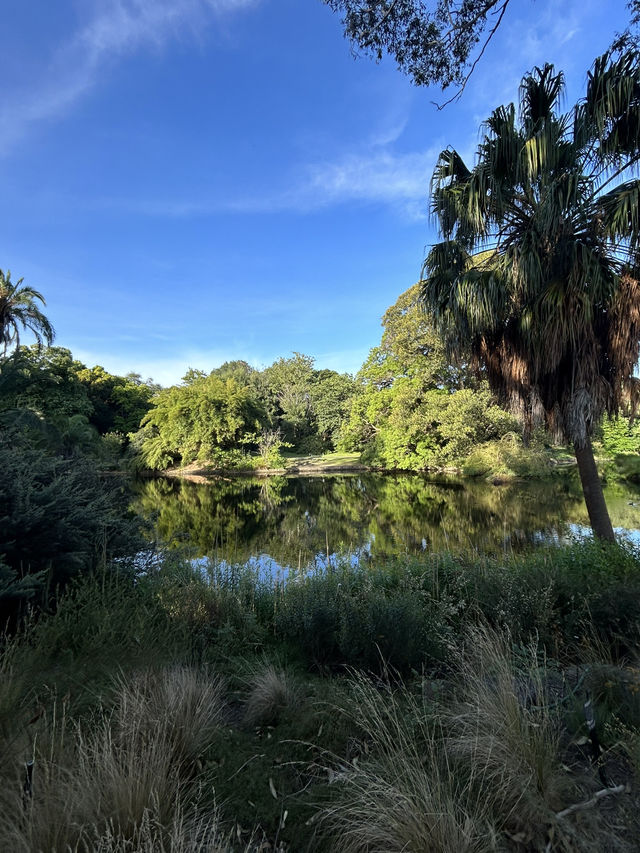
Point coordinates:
[[414, 409], [537, 274], [18, 311]]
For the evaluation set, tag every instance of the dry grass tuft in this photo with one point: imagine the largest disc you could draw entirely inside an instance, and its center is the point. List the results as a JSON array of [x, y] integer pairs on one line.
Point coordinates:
[[271, 692], [402, 793], [505, 725], [123, 783], [482, 775], [182, 704]]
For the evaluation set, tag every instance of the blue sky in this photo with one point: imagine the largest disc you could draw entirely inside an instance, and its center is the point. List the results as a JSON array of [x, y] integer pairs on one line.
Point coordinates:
[[192, 181]]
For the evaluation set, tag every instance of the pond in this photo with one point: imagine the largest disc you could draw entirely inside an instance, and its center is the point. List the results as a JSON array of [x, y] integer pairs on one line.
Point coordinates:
[[281, 523]]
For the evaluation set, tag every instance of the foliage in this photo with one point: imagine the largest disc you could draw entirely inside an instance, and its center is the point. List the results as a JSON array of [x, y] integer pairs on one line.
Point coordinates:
[[620, 435], [270, 447], [118, 402], [509, 280], [415, 408], [307, 405], [199, 420], [433, 42], [331, 395], [287, 383], [65, 406], [44, 381], [236, 410], [364, 619], [537, 274], [508, 457], [18, 310], [161, 742], [58, 520]]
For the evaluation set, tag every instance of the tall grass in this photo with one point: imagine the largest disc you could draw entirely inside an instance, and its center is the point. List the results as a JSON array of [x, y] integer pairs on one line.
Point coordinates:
[[129, 777], [451, 739], [483, 773]]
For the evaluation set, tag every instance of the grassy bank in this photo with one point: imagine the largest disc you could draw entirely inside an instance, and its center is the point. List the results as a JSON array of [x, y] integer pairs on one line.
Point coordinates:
[[433, 704]]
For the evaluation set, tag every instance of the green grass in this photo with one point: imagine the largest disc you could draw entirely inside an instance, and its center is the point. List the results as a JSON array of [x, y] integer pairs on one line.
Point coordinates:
[[324, 462]]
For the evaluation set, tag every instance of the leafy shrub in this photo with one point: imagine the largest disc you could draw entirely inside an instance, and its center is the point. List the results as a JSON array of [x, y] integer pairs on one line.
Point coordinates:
[[365, 618], [620, 436], [59, 519], [507, 457]]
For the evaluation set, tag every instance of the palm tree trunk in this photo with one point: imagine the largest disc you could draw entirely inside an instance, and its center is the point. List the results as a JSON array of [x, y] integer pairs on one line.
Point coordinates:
[[593, 494]]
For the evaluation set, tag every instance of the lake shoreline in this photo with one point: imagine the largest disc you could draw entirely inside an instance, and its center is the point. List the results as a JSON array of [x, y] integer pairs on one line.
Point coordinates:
[[199, 473]]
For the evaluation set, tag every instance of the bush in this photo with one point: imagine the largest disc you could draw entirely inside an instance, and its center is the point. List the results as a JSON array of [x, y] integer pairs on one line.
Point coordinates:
[[365, 618], [620, 436], [507, 457], [59, 520]]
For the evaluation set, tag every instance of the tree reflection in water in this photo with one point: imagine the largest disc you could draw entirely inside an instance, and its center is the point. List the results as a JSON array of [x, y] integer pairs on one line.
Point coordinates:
[[298, 521]]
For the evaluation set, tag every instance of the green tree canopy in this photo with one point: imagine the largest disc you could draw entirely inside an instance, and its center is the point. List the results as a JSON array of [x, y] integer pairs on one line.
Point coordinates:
[[537, 273], [415, 409], [200, 420], [44, 381], [286, 390], [118, 402], [331, 396]]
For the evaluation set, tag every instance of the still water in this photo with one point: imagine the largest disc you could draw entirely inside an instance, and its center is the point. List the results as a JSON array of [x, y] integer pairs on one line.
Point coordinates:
[[296, 522]]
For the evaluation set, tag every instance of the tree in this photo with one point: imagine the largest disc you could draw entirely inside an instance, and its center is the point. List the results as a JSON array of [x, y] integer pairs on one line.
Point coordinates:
[[537, 274], [331, 396], [208, 419], [286, 390], [44, 381], [58, 519], [415, 409], [118, 402], [18, 310], [433, 41]]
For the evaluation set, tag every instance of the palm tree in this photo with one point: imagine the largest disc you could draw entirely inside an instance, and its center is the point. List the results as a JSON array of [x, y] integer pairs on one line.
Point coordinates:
[[18, 310], [537, 277]]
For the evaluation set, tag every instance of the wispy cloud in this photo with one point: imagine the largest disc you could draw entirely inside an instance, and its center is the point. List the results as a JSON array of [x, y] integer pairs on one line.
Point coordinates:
[[375, 176], [117, 28], [381, 176]]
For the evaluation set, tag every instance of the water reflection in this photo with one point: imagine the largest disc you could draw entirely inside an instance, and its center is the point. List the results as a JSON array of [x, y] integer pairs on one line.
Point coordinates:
[[295, 522]]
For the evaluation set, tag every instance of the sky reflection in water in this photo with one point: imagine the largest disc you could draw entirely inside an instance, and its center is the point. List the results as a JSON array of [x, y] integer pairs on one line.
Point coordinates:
[[280, 524]]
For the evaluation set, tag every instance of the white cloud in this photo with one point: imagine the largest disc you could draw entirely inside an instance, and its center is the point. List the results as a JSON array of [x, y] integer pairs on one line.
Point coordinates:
[[118, 27], [375, 176], [379, 176]]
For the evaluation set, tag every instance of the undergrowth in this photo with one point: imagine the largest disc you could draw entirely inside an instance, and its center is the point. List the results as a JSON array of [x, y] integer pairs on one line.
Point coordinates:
[[432, 704]]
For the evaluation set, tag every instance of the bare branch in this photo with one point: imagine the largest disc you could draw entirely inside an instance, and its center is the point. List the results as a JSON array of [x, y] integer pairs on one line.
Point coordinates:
[[467, 77], [588, 804]]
